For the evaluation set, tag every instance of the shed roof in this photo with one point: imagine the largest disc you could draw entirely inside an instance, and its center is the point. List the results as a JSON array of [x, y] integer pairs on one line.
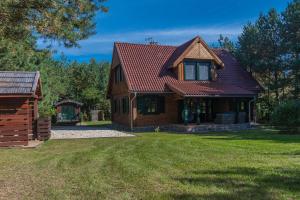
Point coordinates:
[[68, 101], [19, 83]]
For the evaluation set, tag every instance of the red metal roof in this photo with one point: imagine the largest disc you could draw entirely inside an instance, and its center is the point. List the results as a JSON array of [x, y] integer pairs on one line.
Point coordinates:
[[146, 68]]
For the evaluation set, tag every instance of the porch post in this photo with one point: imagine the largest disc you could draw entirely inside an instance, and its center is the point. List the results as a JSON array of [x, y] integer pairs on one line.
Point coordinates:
[[185, 112], [237, 111], [198, 111]]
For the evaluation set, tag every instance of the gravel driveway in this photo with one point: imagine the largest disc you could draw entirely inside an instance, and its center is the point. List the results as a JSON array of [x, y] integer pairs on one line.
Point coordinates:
[[75, 132]]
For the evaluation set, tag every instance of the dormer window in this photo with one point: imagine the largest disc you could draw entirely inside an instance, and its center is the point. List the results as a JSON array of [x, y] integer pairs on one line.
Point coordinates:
[[196, 70]]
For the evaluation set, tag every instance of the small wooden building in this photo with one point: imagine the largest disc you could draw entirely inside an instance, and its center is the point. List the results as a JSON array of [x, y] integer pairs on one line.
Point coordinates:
[[68, 111], [19, 96]]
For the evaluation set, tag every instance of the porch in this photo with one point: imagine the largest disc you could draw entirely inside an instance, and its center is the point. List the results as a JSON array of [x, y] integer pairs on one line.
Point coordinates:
[[214, 113]]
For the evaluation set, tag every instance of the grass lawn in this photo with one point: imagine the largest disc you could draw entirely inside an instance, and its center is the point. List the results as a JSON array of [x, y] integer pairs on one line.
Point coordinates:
[[254, 165]]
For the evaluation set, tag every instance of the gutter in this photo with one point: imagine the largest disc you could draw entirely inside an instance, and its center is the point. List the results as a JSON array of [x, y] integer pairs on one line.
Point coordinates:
[[249, 109]]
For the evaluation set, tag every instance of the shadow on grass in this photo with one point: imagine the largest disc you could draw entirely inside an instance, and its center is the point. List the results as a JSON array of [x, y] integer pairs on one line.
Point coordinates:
[[241, 183], [259, 134]]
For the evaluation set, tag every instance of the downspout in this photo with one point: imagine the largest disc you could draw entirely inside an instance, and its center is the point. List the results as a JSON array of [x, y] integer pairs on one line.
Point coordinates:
[[249, 109], [131, 111]]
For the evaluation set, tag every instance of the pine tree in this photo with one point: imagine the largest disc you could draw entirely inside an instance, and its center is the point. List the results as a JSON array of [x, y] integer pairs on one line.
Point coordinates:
[[291, 41], [226, 43], [63, 21]]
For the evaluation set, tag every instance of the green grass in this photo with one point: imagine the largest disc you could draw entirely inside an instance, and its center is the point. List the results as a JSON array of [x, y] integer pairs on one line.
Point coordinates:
[[259, 164], [95, 123]]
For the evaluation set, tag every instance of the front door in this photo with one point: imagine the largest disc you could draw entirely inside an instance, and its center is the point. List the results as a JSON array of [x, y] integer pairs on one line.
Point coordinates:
[[68, 112], [205, 110]]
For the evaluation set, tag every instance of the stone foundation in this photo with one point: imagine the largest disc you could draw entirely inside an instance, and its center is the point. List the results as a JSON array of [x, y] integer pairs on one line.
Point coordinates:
[[205, 128], [180, 128]]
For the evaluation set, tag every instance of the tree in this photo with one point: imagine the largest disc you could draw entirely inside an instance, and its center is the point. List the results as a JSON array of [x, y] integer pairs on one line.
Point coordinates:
[[88, 82], [247, 48], [64, 21], [226, 43], [291, 41], [260, 50], [269, 49]]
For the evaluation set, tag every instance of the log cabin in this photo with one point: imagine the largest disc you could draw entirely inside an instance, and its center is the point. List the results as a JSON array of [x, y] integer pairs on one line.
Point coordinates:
[[19, 96], [153, 85]]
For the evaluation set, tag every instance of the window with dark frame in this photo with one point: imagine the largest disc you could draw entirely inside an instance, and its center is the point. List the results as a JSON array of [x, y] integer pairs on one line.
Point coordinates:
[[151, 104], [119, 76], [125, 105], [194, 70], [115, 106], [190, 71], [203, 70]]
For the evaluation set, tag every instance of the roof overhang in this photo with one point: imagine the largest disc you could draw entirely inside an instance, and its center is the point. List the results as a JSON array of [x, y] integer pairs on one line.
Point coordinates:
[[209, 89]]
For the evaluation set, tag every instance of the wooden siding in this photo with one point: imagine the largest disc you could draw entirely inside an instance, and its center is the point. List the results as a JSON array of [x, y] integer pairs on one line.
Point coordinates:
[[168, 117], [199, 52], [118, 91], [15, 122]]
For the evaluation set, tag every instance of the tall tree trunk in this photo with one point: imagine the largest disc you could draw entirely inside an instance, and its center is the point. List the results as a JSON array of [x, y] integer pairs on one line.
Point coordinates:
[[269, 100], [297, 79], [276, 85]]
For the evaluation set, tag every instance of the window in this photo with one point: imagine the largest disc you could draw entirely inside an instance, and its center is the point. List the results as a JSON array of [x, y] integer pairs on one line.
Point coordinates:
[[151, 104], [190, 71], [116, 106], [119, 77], [197, 71], [125, 105], [203, 71], [242, 106]]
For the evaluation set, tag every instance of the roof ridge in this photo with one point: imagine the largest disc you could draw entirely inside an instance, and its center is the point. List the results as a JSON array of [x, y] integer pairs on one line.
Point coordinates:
[[35, 82], [142, 44]]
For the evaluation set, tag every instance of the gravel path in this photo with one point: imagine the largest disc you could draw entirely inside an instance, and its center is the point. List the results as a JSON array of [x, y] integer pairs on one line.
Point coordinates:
[[76, 132]]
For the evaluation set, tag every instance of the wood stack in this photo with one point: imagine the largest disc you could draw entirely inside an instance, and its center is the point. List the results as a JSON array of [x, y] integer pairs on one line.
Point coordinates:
[[44, 128]]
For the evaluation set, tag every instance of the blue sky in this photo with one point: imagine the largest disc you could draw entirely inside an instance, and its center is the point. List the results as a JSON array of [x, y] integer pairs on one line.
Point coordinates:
[[170, 22]]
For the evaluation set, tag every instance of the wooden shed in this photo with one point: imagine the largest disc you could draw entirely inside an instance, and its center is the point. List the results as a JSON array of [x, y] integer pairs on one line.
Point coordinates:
[[19, 96], [68, 111]]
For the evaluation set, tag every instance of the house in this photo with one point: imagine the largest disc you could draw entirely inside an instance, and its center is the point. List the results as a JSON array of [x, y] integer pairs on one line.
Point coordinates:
[[153, 85], [19, 96], [68, 111]]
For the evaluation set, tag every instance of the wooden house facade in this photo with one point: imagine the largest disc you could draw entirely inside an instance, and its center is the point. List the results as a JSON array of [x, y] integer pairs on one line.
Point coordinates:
[[153, 85]]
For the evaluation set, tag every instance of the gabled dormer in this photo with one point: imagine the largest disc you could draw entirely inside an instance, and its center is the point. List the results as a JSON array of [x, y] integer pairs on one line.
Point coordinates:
[[195, 61]]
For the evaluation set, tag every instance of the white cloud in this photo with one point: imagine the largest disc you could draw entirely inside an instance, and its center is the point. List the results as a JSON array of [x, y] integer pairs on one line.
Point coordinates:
[[103, 43]]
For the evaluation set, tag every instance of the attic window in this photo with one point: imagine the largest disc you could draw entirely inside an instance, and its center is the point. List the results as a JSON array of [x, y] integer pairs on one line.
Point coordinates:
[[197, 71]]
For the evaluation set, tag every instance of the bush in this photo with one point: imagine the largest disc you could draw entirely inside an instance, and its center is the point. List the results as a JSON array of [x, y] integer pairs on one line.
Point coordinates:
[[287, 114]]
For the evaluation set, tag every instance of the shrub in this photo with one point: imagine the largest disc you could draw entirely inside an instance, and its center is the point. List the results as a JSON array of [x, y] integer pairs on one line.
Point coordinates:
[[287, 114]]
